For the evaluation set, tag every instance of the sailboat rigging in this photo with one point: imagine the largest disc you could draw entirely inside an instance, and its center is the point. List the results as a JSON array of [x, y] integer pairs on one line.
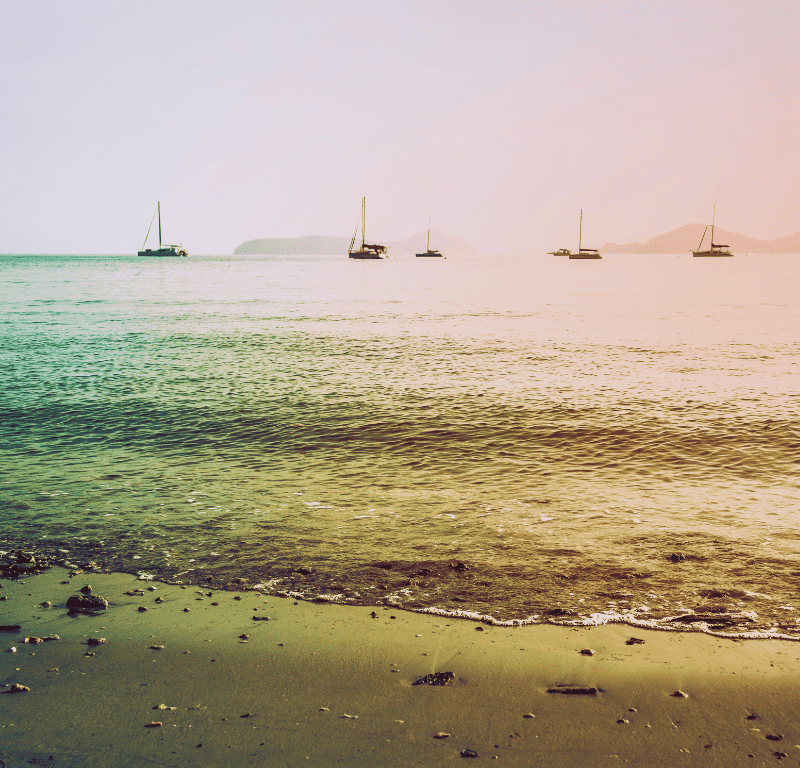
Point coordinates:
[[367, 250], [717, 249], [584, 253], [163, 249], [428, 252]]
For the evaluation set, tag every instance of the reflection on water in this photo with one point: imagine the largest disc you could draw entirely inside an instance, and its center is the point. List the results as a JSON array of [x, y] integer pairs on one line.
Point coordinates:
[[602, 437]]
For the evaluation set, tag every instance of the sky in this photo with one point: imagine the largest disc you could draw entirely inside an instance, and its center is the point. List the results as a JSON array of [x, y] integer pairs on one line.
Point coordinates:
[[500, 120]]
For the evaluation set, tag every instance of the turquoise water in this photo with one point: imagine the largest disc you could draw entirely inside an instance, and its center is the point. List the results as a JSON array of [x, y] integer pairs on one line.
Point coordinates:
[[617, 437]]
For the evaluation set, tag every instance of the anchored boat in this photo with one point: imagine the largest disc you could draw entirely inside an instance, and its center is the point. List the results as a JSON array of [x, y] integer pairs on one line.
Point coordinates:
[[163, 249], [716, 248], [367, 250], [584, 253], [433, 254]]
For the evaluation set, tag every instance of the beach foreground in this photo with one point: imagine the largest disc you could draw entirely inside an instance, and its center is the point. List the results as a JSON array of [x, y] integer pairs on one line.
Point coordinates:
[[320, 684]]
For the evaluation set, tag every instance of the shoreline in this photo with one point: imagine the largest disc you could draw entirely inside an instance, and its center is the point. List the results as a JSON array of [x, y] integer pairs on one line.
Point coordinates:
[[327, 684], [723, 614]]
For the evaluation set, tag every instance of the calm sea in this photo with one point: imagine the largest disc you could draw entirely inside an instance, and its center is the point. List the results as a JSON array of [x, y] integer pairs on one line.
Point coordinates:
[[521, 438]]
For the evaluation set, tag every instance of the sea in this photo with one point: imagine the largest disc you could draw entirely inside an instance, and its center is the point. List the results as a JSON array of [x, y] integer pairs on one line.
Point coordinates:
[[510, 439]]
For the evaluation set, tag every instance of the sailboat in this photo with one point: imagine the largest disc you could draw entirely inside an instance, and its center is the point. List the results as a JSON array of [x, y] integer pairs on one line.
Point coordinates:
[[561, 251], [716, 248], [584, 253], [367, 250], [429, 252], [163, 249]]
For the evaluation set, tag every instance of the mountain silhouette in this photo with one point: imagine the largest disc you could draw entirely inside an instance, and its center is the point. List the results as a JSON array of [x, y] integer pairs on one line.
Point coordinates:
[[320, 245], [687, 238]]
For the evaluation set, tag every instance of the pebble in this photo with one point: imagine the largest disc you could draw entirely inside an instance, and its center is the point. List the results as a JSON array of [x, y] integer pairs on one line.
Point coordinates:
[[324, 709], [774, 736], [46, 604], [142, 609], [349, 717], [529, 714], [468, 753], [32, 640], [479, 629], [95, 641], [623, 721], [435, 678], [634, 641], [90, 653], [587, 652], [153, 724], [17, 688], [244, 637], [680, 695], [159, 600], [441, 735], [577, 689], [157, 647], [186, 610], [87, 590]]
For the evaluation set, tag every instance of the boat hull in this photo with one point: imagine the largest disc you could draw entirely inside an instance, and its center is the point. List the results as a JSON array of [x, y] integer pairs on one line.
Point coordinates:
[[712, 254], [559, 252], [364, 255], [585, 256], [430, 255], [165, 252]]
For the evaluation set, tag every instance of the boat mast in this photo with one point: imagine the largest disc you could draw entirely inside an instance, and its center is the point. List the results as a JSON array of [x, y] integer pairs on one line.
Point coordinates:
[[712, 225], [363, 219], [580, 231], [429, 232], [159, 225]]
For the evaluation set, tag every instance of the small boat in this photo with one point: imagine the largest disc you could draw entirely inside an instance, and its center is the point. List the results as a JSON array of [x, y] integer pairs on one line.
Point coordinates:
[[163, 250], [433, 254], [584, 253], [367, 250], [561, 251], [716, 248]]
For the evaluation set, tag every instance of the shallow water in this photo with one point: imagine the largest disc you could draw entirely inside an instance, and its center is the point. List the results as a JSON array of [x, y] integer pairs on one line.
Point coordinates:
[[617, 437]]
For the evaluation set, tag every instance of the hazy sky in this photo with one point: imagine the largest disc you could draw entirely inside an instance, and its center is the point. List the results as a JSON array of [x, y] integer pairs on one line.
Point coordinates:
[[256, 119]]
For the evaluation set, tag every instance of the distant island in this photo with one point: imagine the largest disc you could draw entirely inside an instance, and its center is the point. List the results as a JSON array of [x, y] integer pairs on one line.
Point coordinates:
[[320, 245], [687, 238]]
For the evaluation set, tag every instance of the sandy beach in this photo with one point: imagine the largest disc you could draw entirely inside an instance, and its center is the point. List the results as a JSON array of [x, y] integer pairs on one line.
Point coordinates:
[[322, 684]]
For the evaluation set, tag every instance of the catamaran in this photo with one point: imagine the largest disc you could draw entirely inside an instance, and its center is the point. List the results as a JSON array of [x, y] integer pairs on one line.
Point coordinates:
[[367, 250], [584, 253], [716, 248], [163, 250], [429, 252]]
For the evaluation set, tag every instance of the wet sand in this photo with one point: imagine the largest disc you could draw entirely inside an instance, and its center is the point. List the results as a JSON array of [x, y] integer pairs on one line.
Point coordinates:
[[322, 684]]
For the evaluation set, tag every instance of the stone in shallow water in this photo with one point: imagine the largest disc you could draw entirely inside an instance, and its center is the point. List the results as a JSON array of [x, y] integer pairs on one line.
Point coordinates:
[[574, 689], [86, 603], [435, 678]]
